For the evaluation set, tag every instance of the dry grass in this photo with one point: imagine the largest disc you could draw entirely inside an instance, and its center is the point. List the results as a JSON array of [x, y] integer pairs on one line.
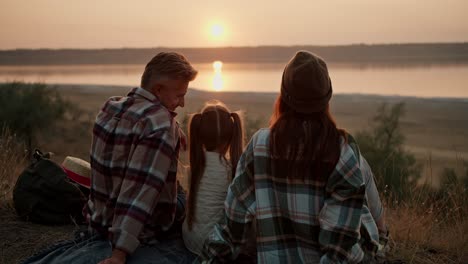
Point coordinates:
[[12, 161], [421, 234], [430, 226]]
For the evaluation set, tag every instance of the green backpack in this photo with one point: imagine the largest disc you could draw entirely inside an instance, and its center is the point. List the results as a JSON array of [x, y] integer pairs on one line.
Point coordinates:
[[44, 194]]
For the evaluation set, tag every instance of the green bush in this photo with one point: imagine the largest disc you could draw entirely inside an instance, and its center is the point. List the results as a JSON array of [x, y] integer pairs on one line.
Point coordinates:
[[395, 169], [452, 184], [28, 109]]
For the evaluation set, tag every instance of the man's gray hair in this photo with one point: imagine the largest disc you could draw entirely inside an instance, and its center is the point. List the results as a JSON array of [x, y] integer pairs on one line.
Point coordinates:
[[167, 65]]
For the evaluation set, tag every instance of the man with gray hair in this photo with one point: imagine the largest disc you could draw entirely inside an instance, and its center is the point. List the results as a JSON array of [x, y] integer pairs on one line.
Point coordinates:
[[134, 155]]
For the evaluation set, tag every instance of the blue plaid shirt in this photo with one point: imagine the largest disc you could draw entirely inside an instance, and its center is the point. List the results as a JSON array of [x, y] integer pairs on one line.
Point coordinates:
[[294, 221]]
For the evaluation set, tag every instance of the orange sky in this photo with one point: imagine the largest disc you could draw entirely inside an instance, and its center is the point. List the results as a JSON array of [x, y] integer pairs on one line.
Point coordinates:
[[152, 23]]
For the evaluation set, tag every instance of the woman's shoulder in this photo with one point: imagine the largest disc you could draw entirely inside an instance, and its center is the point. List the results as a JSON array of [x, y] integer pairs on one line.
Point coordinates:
[[261, 136], [347, 169], [349, 150], [350, 146]]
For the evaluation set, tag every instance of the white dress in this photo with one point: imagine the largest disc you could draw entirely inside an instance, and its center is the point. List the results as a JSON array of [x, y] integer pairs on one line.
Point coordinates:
[[209, 202]]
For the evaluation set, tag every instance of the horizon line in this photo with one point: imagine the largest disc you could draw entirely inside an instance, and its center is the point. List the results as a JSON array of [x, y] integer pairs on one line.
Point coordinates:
[[248, 46]]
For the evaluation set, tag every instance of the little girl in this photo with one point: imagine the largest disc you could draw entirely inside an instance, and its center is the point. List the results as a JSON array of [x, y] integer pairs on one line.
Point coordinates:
[[212, 133]]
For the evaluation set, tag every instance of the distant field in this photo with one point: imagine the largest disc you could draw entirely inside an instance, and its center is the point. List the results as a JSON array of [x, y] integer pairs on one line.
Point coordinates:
[[436, 129]]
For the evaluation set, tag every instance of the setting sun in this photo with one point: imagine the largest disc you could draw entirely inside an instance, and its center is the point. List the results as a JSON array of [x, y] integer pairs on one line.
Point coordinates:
[[217, 31]]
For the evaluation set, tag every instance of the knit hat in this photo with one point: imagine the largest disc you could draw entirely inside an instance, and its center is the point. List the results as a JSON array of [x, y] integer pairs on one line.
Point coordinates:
[[306, 86], [78, 171]]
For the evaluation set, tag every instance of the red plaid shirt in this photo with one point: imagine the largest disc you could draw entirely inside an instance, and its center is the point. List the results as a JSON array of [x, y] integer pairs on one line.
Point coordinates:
[[134, 164]]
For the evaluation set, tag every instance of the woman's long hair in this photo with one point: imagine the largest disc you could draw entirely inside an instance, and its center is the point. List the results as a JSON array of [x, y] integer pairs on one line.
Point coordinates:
[[215, 128], [303, 145]]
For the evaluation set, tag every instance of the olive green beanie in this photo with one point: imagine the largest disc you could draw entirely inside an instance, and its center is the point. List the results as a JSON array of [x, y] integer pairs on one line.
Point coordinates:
[[306, 86]]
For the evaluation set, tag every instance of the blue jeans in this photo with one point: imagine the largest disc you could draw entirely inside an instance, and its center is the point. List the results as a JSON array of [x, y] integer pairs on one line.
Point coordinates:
[[89, 247]]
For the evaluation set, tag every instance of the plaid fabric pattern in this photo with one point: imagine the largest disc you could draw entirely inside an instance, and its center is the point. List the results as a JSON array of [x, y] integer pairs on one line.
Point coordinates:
[[134, 164], [310, 221]]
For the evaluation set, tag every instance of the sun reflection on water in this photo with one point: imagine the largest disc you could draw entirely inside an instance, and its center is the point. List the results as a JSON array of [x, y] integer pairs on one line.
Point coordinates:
[[217, 66], [217, 80]]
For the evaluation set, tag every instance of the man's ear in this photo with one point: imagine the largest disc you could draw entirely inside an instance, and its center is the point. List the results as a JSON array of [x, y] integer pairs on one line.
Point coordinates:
[[157, 87]]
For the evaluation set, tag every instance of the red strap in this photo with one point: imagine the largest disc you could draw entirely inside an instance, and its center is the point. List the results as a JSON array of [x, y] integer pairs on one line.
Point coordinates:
[[82, 180]]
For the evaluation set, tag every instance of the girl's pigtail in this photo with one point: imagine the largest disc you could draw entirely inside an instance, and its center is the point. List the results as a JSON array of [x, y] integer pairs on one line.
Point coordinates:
[[237, 142], [197, 164]]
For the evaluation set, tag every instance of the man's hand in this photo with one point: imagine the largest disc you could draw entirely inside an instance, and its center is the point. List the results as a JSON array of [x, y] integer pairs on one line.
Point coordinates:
[[118, 257]]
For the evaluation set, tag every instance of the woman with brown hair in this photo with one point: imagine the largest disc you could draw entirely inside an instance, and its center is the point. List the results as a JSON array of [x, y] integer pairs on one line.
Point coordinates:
[[216, 143], [301, 184]]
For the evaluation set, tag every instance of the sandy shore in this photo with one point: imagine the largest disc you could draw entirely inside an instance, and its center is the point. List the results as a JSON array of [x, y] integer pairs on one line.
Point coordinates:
[[436, 129]]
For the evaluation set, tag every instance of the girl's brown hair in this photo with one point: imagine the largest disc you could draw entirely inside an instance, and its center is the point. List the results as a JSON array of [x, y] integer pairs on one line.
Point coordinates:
[[215, 128], [303, 145]]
